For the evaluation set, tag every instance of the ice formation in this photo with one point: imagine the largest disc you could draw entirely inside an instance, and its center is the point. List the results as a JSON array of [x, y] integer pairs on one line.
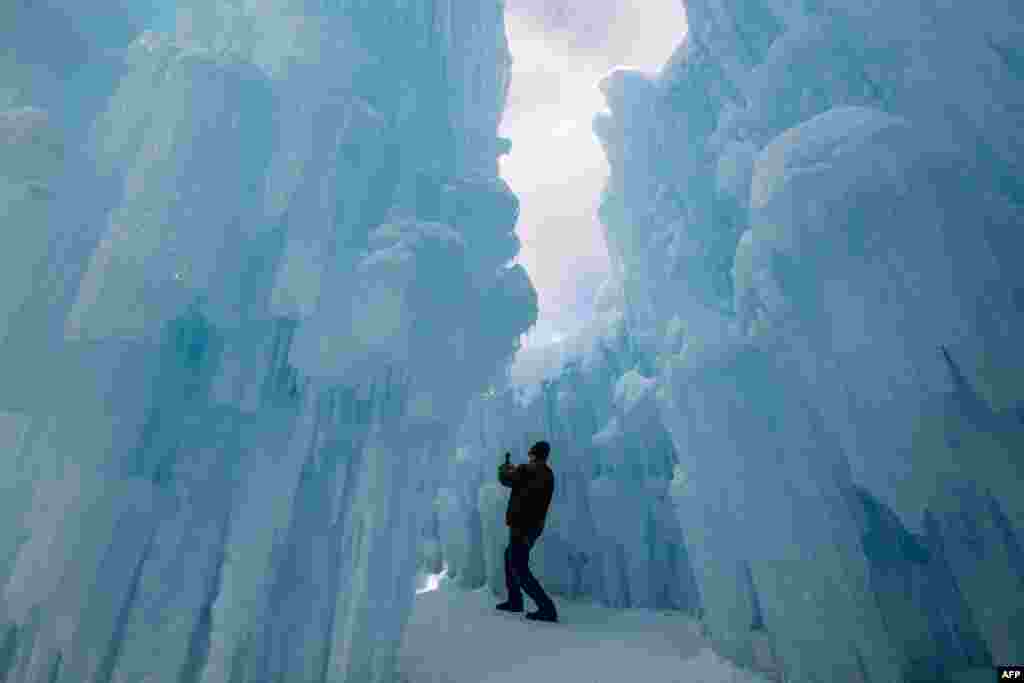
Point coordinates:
[[260, 252], [811, 387]]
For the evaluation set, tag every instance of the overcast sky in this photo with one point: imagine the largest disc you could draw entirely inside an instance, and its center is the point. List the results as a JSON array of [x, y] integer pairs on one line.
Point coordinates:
[[560, 48]]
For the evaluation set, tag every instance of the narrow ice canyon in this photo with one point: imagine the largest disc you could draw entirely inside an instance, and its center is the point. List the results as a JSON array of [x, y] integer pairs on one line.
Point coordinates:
[[262, 317]]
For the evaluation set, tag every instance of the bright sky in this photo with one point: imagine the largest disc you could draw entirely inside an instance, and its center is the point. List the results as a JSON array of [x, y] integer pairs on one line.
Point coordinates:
[[560, 49]]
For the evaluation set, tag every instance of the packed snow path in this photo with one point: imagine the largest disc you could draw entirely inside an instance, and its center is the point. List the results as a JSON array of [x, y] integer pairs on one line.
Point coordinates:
[[456, 636]]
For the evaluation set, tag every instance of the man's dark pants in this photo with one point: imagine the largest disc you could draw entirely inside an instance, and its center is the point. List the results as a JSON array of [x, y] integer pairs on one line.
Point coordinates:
[[517, 570]]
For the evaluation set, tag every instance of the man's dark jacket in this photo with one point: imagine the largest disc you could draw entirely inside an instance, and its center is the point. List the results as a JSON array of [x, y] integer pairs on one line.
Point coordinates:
[[532, 486]]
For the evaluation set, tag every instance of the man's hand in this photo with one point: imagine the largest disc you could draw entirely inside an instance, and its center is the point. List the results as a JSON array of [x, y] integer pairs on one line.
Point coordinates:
[[507, 475]]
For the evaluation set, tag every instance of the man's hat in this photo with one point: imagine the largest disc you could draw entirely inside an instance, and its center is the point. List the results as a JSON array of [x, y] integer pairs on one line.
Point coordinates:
[[541, 449]]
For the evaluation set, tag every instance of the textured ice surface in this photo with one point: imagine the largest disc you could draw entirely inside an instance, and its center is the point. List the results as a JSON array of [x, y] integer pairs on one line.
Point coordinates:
[[869, 239], [256, 265], [31, 151]]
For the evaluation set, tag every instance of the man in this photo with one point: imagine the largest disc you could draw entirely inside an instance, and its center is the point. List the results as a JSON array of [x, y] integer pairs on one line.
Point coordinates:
[[532, 487]]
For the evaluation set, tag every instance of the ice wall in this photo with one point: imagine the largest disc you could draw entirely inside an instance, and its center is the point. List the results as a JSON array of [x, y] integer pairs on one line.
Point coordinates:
[[257, 266], [813, 207]]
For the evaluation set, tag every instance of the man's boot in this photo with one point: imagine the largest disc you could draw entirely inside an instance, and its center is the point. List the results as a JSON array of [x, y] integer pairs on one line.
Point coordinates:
[[542, 615], [509, 607]]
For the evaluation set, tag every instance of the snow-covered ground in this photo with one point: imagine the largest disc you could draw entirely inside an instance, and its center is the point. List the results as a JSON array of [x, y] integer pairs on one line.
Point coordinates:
[[456, 636]]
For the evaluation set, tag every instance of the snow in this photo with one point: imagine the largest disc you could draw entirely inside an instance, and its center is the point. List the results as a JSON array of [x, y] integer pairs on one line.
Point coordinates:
[[456, 636]]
